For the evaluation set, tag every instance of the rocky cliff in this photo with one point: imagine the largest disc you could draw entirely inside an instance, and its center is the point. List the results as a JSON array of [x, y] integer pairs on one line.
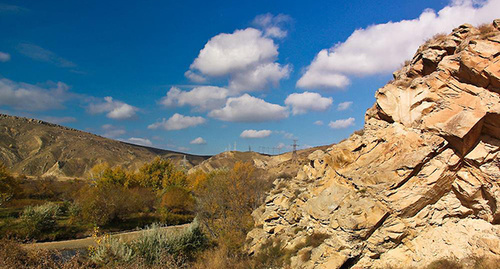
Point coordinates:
[[419, 183]]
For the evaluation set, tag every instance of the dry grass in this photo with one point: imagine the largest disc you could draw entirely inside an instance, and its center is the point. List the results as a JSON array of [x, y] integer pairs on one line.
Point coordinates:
[[486, 30]]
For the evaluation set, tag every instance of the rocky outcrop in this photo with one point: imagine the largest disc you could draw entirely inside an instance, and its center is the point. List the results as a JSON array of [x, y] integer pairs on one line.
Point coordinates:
[[419, 183]]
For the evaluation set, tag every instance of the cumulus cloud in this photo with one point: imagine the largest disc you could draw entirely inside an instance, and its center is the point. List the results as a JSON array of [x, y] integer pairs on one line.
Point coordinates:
[[259, 77], [344, 106], [59, 120], [381, 48], [341, 124], [225, 53], [24, 96], [4, 57], [273, 26], [246, 57], [318, 122], [306, 101], [247, 108], [115, 109], [111, 131], [255, 134], [195, 77], [177, 122], [40, 54], [140, 141], [198, 141], [202, 98]]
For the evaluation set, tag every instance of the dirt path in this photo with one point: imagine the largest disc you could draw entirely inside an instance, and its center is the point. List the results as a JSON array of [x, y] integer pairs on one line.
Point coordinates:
[[89, 241]]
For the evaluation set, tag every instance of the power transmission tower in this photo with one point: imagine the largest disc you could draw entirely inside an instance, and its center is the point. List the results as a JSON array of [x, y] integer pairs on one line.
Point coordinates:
[[294, 153], [184, 162]]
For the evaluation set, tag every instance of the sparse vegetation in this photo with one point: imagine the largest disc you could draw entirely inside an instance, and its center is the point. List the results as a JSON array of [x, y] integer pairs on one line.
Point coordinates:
[[486, 30], [39, 219], [155, 247]]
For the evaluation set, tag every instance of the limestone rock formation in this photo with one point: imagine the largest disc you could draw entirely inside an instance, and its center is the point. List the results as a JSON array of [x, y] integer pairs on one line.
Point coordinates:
[[421, 181]]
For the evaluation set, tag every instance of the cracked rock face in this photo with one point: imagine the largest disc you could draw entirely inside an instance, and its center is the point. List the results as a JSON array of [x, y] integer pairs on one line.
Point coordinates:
[[420, 183]]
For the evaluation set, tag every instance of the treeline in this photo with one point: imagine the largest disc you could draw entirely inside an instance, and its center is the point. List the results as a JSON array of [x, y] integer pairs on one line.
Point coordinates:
[[114, 199]]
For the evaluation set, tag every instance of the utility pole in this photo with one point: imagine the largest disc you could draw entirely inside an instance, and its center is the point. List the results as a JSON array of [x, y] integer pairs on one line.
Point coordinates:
[[294, 153], [234, 146], [249, 149]]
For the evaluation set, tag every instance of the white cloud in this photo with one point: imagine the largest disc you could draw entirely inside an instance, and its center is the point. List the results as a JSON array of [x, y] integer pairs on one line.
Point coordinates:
[[140, 141], [255, 134], [111, 131], [40, 54], [259, 77], [59, 120], [226, 53], [178, 122], [247, 108], [281, 145], [286, 134], [115, 109], [272, 25], [247, 57], [382, 48], [198, 141], [341, 124], [344, 106], [306, 101], [24, 96], [319, 78], [202, 98], [4, 57], [195, 77], [318, 122]]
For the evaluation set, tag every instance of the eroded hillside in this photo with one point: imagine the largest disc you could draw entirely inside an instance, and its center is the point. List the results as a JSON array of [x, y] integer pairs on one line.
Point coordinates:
[[36, 148], [421, 182]]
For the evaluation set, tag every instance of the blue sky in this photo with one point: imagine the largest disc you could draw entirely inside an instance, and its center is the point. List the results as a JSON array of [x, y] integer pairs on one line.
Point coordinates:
[[258, 73]]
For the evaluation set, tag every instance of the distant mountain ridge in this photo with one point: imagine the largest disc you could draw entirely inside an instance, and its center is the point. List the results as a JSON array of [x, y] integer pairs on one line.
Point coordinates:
[[37, 148]]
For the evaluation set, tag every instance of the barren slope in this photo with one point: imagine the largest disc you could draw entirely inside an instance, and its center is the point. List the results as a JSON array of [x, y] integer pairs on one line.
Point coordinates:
[[35, 148]]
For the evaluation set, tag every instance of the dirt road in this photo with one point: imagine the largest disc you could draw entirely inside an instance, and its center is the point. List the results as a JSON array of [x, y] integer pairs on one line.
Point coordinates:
[[89, 241]]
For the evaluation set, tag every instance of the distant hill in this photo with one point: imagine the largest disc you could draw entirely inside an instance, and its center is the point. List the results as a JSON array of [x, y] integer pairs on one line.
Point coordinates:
[[273, 164], [37, 148]]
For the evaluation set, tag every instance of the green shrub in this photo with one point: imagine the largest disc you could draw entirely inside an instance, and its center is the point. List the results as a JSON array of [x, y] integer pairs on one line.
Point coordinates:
[[155, 246], [111, 251], [39, 219]]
